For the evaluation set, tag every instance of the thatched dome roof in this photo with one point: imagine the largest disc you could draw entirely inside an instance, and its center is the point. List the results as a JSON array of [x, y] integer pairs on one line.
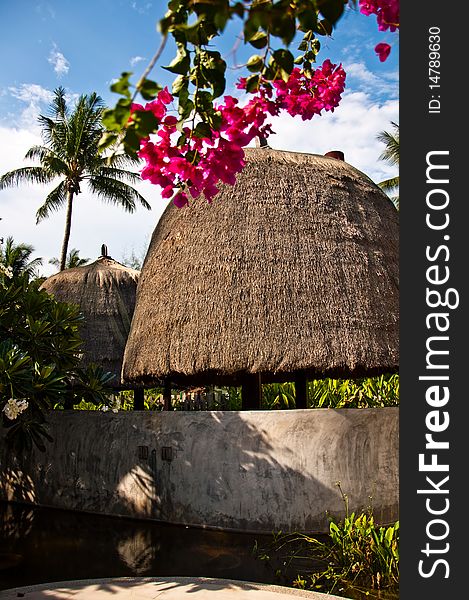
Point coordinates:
[[294, 269], [105, 292]]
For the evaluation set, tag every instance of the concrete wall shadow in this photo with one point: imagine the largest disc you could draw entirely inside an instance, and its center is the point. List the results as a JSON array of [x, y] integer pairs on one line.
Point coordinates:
[[259, 471]]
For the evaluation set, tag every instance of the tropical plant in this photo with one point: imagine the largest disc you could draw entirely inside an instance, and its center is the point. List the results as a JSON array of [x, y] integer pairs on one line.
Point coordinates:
[[73, 260], [278, 395], [17, 257], [70, 152], [391, 155], [40, 359], [357, 555], [367, 392]]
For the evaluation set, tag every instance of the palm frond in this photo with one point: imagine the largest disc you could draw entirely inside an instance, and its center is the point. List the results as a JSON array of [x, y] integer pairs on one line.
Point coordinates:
[[117, 192], [73, 260], [54, 201], [49, 160], [37, 152], [26, 175], [389, 185], [121, 174], [85, 125], [17, 257], [391, 140], [121, 161]]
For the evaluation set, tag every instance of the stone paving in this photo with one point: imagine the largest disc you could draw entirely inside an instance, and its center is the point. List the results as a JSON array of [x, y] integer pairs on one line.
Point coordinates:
[[152, 588]]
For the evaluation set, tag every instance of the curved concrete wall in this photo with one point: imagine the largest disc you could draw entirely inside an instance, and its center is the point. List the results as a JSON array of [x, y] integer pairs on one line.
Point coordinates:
[[252, 471]]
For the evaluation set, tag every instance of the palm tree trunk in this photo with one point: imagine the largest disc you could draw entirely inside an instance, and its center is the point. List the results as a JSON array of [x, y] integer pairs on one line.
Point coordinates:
[[68, 226]]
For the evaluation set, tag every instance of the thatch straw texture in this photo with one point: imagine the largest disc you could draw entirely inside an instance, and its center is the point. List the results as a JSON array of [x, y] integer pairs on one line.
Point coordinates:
[[105, 292], [293, 269]]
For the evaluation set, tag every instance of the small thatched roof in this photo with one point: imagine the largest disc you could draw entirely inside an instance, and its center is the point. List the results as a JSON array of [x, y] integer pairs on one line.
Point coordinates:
[[292, 270], [105, 292]]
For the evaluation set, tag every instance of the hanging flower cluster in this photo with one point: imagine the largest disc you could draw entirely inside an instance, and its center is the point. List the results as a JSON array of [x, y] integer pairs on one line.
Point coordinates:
[[388, 17], [386, 11], [183, 163]]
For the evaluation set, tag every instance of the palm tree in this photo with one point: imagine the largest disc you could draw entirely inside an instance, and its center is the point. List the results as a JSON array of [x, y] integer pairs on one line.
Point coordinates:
[[390, 155], [17, 258], [70, 152], [73, 260]]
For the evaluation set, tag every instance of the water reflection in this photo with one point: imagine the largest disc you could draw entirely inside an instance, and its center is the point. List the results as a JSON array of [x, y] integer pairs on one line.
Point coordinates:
[[138, 552]]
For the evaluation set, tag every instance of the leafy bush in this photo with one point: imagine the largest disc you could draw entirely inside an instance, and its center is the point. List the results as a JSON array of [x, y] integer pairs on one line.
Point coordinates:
[[278, 395], [359, 555], [39, 359], [356, 557], [367, 392]]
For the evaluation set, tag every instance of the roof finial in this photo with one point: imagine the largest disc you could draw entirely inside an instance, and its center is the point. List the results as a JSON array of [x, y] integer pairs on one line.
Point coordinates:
[[338, 154], [104, 251]]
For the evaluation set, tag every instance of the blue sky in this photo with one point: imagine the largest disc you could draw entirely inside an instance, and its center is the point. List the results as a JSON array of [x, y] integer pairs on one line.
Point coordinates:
[[84, 45]]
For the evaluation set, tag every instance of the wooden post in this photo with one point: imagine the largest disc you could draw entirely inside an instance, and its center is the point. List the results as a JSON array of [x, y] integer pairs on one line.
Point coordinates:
[[251, 391], [300, 390], [139, 399], [167, 395]]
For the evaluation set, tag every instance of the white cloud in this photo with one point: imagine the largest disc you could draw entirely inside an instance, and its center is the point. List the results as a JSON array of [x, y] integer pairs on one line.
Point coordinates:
[[136, 59], [351, 128], [141, 7], [34, 96], [365, 80], [58, 61], [31, 93]]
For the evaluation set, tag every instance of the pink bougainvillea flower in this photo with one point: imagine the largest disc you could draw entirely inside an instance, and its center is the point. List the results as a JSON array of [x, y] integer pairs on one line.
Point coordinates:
[[387, 12], [383, 50], [198, 164], [181, 200]]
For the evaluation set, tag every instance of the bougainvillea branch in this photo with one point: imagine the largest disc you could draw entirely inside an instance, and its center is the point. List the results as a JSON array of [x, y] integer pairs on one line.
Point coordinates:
[[190, 154]]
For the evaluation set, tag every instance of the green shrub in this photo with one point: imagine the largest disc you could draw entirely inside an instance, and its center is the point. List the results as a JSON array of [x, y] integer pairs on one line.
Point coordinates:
[[357, 557], [40, 359], [367, 392]]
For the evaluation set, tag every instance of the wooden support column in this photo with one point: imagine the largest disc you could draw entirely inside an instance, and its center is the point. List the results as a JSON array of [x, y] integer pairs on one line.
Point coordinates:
[[167, 395], [69, 400], [251, 391], [139, 399], [300, 390]]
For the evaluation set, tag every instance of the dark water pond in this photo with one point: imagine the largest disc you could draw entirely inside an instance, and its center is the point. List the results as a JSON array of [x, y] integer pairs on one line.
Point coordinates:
[[40, 545]]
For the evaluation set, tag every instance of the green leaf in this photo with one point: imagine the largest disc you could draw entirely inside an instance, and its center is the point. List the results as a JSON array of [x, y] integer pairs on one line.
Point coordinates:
[[283, 25], [181, 63], [115, 118], [180, 83], [202, 130], [332, 10], [145, 123], [252, 83], [121, 86], [259, 40], [307, 19], [149, 89], [131, 141], [284, 58], [185, 108], [324, 27], [255, 63]]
